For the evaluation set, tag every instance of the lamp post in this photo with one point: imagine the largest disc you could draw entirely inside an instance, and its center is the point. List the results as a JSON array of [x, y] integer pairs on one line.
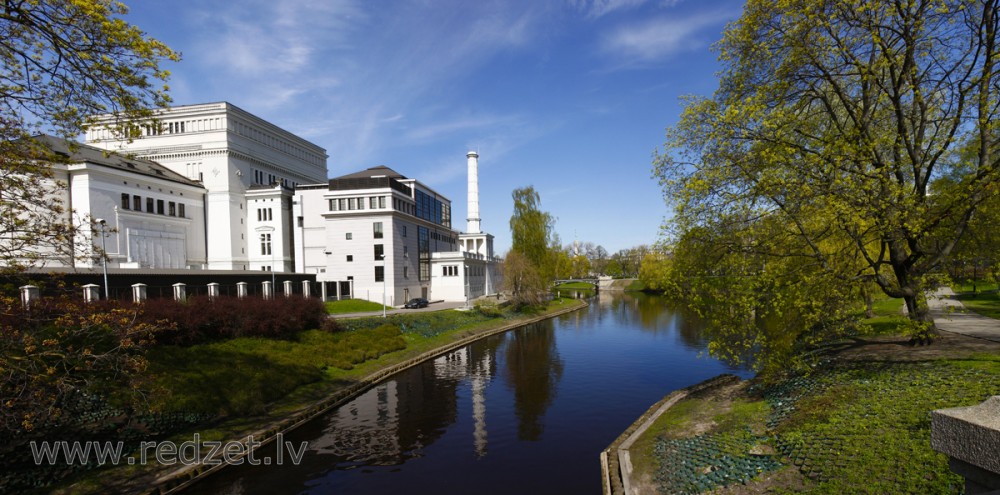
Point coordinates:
[[104, 255], [383, 285]]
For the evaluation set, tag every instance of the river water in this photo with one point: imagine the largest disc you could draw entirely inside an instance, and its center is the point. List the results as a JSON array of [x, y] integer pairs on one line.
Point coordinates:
[[527, 411]]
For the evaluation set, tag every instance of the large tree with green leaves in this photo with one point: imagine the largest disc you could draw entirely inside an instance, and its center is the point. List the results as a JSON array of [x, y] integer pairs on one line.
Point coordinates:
[[64, 62], [835, 119], [531, 263], [531, 231]]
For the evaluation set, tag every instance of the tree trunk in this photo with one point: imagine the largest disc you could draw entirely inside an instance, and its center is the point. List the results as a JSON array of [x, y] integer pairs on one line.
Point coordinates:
[[920, 316]]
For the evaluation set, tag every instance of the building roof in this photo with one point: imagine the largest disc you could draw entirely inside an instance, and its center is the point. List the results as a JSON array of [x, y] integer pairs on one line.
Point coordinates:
[[78, 153], [379, 171]]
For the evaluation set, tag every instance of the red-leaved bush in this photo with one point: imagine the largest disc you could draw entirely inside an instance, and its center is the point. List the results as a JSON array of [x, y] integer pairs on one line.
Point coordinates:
[[203, 319]]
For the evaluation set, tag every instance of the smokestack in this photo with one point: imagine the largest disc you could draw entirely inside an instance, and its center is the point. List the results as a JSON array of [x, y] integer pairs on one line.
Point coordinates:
[[472, 226]]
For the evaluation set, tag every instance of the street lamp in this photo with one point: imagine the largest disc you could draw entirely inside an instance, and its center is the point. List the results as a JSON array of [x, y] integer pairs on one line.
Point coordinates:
[[104, 255], [383, 284]]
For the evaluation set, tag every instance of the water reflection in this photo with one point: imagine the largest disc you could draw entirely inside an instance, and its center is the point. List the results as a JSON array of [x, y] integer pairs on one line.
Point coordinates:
[[566, 388], [533, 372]]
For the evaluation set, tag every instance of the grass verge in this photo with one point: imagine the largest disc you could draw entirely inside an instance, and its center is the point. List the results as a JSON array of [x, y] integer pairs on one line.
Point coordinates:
[[846, 428], [352, 306]]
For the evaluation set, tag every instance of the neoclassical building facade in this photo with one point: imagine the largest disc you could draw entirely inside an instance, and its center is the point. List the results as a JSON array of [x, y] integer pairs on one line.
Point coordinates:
[[235, 156]]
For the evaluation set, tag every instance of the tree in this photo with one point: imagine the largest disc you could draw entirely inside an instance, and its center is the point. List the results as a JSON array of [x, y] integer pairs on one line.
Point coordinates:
[[522, 281], [832, 121], [531, 231], [63, 64]]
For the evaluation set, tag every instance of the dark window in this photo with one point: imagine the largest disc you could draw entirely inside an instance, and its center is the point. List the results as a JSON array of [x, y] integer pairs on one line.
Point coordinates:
[[137, 203], [379, 273], [350, 258], [377, 229], [159, 207], [180, 210], [379, 251], [125, 201], [149, 205], [173, 209]]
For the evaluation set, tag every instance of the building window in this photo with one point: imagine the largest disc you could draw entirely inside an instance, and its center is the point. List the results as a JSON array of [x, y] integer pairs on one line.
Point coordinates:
[[402, 230], [342, 204], [377, 229], [172, 209], [125, 201], [424, 253], [348, 236], [137, 203], [372, 203], [180, 210], [350, 258], [159, 207], [379, 251], [333, 205], [406, 251], [379, 273], [381, 202], [352, 203], [149, 205], [406, 271], [265, 244]]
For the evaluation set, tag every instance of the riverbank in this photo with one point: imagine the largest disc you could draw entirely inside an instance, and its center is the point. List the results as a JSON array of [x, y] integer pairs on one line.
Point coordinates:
[[859, 423], [299, 406]]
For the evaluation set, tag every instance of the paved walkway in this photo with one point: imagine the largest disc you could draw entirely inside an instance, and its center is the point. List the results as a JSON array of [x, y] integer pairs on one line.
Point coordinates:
[[951, 316], [434, 306]]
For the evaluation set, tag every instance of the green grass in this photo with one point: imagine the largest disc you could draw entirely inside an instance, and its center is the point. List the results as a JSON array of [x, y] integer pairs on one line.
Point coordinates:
[[960, 286], [575, 285], [852, 428], [352, 306], [244, 375], [635, 285], [985, 301]]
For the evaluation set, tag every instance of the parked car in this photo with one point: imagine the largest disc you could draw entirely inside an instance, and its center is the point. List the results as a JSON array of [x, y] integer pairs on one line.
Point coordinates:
[[416, 302]]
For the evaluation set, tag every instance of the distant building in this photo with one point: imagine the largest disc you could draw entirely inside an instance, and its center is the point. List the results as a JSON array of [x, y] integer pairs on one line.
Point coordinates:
[[377, 231], [232, 153]]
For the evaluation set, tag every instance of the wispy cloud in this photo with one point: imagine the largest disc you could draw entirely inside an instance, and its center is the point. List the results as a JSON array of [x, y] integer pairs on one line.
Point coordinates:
[[663, 37], [599, 8]]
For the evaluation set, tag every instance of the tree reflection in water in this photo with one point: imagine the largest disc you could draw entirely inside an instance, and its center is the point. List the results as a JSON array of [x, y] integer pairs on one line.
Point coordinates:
[[533, 372]]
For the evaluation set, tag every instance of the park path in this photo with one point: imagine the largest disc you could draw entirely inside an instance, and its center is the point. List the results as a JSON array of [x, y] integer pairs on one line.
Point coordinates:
[[950, 315]]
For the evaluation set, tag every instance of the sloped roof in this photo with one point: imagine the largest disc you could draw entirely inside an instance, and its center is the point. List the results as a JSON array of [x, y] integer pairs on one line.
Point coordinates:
[[82, 153], [378, 171]]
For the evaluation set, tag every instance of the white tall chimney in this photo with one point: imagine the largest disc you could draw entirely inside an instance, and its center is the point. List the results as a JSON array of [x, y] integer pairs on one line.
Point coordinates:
[[472, 226]]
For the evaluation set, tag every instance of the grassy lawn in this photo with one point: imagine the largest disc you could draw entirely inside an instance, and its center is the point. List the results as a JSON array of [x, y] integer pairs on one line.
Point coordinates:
[[575, 285], [352, 306], [985, 301], [851, 428], [888, 317]]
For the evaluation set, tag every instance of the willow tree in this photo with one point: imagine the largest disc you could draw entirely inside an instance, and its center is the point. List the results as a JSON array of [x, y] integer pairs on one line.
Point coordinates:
[[837, 117], [63, 63]]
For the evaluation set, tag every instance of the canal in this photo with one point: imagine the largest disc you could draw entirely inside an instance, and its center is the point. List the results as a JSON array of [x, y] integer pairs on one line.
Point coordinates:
[[527, 411]]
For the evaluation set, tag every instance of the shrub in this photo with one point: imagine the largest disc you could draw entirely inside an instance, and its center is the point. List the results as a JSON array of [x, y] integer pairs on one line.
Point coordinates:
[[63, 348], [203, 319]]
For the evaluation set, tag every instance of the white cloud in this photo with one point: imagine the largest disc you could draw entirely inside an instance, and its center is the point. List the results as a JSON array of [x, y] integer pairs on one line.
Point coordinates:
[[598, 8], [663, 37]]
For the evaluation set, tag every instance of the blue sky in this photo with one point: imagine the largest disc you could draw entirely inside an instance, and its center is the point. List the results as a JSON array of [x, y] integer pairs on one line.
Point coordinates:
[[570, 97]]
